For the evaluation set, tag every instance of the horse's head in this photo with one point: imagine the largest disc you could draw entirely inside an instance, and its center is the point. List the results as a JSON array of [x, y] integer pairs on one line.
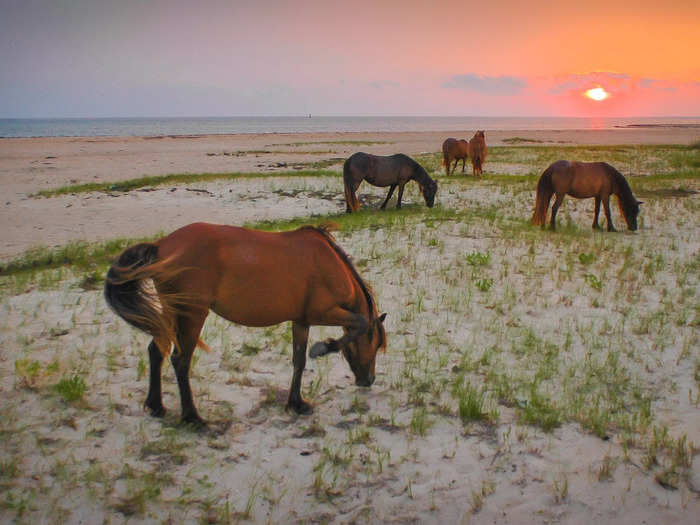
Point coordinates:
[[630, 211], [360, 351], [429, 189]]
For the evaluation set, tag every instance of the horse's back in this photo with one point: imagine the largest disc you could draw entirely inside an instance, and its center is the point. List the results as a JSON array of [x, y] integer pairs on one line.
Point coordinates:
[[258, 278], [456, 148], [378, 170], [449, 145], [581, 179]]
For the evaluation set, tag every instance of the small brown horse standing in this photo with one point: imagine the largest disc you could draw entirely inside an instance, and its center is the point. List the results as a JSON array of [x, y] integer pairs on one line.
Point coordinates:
[[477, 152], [454, 149], [251, 278], [394, 170], [583, 180]]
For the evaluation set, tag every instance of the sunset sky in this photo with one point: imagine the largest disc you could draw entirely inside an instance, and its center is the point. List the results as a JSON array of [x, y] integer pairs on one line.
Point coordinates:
[[80, 58]]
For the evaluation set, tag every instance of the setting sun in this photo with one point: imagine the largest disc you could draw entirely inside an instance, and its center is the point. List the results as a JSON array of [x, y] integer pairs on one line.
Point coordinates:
[[597, 94]]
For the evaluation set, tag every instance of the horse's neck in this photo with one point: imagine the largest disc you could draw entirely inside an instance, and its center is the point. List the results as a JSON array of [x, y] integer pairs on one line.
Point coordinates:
[[420, 176], [621, 188]]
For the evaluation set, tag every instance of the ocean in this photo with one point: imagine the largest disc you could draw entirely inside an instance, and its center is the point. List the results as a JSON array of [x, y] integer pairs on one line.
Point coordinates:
[[98, 127]]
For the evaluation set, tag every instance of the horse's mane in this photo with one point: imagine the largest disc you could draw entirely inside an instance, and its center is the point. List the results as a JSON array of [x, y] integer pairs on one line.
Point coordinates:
[[420, 174], [619, 180], [366, 290]]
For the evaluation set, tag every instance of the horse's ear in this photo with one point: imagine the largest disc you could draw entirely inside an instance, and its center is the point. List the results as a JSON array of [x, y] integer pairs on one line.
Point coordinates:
[[323, 348], [381, 317]]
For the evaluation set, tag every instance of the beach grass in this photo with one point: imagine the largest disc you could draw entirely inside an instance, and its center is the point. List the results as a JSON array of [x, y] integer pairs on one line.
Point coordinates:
[[174, 178]]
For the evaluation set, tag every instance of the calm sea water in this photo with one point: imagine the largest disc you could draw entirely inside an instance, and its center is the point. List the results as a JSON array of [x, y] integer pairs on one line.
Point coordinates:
[[227, 125]]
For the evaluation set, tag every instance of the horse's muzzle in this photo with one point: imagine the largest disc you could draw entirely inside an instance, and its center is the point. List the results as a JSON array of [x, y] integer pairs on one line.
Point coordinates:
[[365, 382]]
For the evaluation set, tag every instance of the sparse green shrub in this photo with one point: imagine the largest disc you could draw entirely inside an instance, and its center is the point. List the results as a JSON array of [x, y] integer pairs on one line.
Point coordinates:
[[594, 282], [586, 258], [71, 388], [484, 284], [478, 259]]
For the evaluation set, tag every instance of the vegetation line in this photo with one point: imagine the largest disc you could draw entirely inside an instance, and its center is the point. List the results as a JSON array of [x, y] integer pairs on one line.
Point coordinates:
[[175, 178], [89, 256]]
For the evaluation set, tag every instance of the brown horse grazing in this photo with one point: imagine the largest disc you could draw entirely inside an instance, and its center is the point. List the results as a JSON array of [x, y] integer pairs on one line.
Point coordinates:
[[394, 170], [477, 152], [453, 149], [583, 180], [251, 278]]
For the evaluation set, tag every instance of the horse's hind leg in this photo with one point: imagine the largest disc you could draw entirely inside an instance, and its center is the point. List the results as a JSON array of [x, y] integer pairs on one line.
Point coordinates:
[[300, 337], [596, 226], [188, 329], [154, 400], [464, 160], [606, 207], [555, 207], [391, 191]]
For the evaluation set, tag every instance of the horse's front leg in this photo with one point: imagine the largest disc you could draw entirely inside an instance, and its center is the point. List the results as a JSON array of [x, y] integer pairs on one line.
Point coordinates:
[[391, 192], [606, 207], [596, 226], [464, 160], [398, 201], [154, 400], [300, 337]]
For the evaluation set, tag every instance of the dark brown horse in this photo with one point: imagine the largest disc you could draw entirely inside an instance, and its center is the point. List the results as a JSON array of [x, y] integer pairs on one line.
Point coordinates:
[[477, 152], [394, 170], [583, 180], [454, 149], [251, 278]]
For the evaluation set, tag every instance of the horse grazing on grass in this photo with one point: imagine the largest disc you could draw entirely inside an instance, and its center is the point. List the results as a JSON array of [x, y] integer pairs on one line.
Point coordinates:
[[394, 170], [249, 277], [477, 152], [454, 149], [583, 180]]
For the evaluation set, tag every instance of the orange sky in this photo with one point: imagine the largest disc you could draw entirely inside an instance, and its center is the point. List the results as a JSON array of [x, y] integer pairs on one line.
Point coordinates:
[[335, 57]]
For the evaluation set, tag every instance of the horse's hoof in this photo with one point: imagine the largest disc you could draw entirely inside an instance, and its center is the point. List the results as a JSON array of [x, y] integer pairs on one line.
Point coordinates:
[[157, 412], [301, 407], [195, 423]]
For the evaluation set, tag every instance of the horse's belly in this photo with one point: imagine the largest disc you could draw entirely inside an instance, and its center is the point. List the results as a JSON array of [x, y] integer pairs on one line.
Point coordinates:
[[258, 302], [580, 194]]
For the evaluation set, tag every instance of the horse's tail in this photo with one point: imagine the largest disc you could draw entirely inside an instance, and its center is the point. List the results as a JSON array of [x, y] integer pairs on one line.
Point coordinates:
[[131, 294], [353, 204], [545, 189]]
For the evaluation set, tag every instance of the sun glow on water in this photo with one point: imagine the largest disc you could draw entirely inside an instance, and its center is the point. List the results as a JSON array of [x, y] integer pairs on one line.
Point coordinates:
[[597, 94]]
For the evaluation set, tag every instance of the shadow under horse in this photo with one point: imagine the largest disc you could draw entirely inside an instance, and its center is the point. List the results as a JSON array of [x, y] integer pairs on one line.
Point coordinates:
[[583, 180], [454, 149], [248, 277], [393, 170]]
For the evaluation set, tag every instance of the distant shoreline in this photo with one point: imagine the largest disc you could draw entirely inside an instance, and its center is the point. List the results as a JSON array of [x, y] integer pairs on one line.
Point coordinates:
[[683, 126], [222, 126]]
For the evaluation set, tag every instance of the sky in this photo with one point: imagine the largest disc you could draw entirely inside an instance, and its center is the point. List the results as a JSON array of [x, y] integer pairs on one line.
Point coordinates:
[[141, 58]]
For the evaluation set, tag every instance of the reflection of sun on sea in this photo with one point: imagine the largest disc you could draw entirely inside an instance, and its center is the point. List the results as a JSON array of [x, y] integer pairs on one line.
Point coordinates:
[[597, 94]]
